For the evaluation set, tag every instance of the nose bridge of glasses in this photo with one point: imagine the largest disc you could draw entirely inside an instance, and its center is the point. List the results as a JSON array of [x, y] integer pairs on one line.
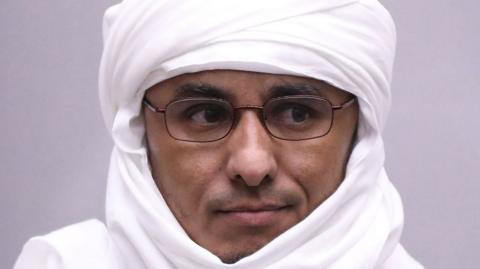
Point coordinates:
[[247, 117], [240, 110], [243, 107]]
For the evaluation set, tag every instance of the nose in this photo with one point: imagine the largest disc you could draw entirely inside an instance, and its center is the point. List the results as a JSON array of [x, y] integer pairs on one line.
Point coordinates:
[[250, 157]]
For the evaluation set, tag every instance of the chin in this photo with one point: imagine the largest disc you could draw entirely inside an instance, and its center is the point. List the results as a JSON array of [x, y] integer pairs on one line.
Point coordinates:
[[235, 255], [235, 251]]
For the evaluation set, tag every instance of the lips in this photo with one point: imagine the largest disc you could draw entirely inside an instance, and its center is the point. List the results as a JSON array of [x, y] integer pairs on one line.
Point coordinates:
[[253, 208], [253, 214]]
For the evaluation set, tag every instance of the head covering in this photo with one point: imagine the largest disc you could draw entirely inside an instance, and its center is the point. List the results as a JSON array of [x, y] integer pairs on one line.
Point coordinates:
[[349, 44]]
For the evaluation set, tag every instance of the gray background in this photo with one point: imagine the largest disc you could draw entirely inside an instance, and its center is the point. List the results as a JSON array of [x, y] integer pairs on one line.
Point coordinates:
[[54, 149]]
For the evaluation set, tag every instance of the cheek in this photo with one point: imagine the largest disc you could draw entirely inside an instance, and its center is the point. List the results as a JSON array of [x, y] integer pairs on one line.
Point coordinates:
[[317, 166], [183, 173], [177, 167]]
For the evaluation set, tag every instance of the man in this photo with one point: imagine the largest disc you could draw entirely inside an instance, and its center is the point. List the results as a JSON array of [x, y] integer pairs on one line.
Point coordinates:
[[247, 135]]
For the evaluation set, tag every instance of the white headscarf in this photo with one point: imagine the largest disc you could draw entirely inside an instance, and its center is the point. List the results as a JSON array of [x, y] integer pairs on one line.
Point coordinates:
[[347, 43]]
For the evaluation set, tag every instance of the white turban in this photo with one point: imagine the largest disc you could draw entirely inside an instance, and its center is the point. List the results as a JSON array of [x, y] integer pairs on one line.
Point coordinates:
[[347, 43]]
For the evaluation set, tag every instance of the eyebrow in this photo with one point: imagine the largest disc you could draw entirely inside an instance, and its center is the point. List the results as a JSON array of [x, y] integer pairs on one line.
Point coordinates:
[[287, 89], [199, 90], [189, 90]]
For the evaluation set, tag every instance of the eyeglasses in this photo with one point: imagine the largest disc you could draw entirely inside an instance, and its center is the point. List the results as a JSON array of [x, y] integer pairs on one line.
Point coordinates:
[[292, 118]]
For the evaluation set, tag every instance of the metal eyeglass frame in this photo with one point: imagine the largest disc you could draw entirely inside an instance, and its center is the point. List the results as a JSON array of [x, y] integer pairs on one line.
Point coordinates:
[[334, 108]]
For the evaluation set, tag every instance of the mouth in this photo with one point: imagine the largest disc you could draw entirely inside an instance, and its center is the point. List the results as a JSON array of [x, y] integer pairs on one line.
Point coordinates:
[[254, 214]]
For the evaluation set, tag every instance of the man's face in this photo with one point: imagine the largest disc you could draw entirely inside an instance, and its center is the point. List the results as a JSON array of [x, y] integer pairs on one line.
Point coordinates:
[[235, 195]]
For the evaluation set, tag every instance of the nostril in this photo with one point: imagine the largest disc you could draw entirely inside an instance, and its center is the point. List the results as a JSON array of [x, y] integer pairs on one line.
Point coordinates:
[[251, 172], [252, 181]]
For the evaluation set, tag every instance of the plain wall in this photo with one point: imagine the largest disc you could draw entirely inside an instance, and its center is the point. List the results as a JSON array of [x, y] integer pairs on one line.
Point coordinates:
[[54, 148]]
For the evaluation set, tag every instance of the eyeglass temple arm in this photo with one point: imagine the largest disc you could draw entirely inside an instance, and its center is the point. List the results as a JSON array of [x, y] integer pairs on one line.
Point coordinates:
[[346, 104], [151, 107]]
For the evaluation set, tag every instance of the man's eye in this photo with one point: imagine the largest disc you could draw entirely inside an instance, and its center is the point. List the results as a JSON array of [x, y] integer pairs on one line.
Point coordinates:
[[292, 113], [206, 114], [299, 114]]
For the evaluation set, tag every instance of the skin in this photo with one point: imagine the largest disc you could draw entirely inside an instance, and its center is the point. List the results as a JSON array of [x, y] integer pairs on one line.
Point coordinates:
[[235, 195]]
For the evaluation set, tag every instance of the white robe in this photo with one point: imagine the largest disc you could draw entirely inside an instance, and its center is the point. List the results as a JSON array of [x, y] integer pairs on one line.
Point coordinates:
[[347, 43]]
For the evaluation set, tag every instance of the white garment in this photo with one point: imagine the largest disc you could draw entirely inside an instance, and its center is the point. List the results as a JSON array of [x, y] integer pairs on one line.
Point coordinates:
[[347, 43]]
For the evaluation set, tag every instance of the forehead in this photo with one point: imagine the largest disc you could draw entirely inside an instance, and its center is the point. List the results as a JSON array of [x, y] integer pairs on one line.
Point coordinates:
[[240, 86]]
